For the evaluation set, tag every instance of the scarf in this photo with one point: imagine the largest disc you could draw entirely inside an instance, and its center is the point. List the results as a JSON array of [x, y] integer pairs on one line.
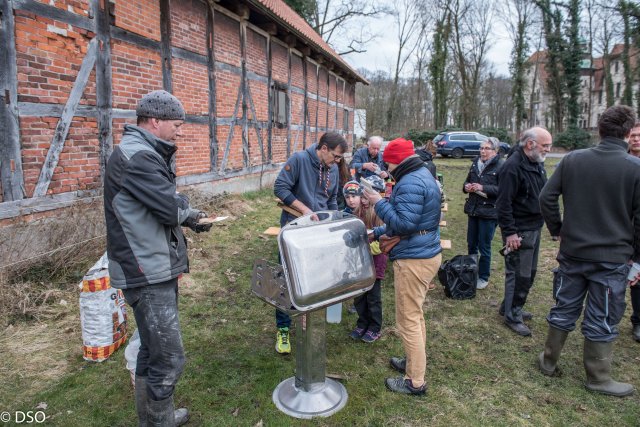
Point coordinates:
[[409, 165]]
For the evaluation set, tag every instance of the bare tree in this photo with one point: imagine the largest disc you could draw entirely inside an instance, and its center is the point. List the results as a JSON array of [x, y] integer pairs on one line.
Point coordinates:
[[340, 21], [470, 26]]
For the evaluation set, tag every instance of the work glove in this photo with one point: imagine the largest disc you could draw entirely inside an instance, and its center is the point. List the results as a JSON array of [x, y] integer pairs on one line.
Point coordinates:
[[192, 221]]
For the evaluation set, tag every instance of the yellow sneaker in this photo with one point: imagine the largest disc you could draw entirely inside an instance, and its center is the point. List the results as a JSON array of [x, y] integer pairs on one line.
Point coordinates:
[[282, 341]]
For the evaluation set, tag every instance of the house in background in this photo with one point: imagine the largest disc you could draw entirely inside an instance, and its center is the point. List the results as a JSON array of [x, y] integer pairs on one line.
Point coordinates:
[[593, 99], [256, 81]]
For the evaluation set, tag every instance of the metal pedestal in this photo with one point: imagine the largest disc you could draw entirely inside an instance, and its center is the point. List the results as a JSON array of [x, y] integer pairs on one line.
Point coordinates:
[[310, 394]]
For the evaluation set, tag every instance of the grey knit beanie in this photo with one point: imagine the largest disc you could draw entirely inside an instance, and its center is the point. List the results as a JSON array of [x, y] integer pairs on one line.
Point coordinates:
[[160, 104]]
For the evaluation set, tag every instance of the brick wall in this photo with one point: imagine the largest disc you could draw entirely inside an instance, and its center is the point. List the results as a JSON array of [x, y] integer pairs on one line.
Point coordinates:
[[49, 54]]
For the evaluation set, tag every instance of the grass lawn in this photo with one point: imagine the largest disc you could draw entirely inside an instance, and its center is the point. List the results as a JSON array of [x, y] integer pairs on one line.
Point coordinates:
[[478, 372]]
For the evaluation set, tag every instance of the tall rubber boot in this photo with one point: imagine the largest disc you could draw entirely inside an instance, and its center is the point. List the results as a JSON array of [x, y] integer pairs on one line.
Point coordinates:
[[180, 416], [548, 359], [597, 364]]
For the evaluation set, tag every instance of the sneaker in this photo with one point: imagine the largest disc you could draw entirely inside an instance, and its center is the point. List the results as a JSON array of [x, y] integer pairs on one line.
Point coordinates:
[[519, 328], [402, 385], [481, 283], [357, 333], [371, 336], [282, 341], [399, 364]]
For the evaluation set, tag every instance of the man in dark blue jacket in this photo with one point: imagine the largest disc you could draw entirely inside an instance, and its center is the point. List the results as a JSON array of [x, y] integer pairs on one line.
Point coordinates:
[[413, 213], [598, 241], [367, 160], [520, 181], [308, 183], [147, 250]]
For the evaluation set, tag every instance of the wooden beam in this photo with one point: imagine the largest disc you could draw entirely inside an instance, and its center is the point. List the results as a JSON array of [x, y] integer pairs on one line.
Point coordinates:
[[290, 40], [242, 10], [288, 105], [269, 101], [304, 49], [165, 44], [245, 87], [211, 72], [62, 129], [47, 11], [104, 90], [270, 27], [305, 103], [11, 174]]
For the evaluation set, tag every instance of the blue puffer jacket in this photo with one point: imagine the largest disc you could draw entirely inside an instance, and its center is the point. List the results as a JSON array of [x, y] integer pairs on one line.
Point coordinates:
[[414, 207]]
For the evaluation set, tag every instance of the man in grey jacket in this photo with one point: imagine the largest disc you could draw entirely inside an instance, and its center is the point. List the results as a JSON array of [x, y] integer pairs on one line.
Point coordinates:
[[599, 233], [147, 250]]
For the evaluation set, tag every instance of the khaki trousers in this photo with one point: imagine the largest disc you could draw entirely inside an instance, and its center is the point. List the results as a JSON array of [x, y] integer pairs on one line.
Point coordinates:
[[411, 282]]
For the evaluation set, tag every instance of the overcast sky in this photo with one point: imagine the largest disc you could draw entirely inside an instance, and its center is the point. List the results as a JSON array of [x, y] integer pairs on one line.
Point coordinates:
[[381, 54]]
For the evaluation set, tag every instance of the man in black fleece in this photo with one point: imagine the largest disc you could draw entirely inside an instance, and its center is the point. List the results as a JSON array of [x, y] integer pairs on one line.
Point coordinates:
[[599, 234], [520, 181]]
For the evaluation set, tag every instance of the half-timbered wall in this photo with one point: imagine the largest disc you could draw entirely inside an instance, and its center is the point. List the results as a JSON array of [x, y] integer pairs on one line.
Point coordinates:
[[71, 73]]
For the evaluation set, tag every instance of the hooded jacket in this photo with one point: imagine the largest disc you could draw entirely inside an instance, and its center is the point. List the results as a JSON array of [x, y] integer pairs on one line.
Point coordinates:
[[303, 178], [143, 212], [362, 156]]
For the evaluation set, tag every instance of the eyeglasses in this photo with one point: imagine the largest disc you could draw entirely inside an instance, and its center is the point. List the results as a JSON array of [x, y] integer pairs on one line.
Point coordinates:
[[336, 157], [487, 148]]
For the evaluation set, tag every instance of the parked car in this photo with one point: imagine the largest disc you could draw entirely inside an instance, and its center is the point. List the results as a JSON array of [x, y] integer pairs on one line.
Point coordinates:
[[458, 144]]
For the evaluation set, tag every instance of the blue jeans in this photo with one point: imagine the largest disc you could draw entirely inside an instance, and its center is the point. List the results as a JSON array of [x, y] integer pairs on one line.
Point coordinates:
[[161, 356], [480, 233]]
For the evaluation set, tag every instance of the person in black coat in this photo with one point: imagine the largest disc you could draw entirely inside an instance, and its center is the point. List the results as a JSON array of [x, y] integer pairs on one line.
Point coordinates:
[[482, 187]]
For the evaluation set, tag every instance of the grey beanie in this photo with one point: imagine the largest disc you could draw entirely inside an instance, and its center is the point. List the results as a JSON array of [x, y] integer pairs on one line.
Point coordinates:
[[160, 104]]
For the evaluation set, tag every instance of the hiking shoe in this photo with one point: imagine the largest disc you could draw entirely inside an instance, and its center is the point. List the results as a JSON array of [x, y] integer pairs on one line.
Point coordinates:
[[403, 386], [519, 328], [371, 336], [399, 364], [481, 284], [525, 314], [357, 333], [282, 341]]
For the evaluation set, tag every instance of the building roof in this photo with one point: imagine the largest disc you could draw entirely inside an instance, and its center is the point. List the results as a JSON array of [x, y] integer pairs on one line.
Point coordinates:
[[282, 13]]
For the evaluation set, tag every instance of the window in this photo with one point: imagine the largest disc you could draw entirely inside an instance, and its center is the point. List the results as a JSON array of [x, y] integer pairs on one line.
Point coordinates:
[[279, 105], [615, 66], [617, 89], [600, 97], [345, 124]]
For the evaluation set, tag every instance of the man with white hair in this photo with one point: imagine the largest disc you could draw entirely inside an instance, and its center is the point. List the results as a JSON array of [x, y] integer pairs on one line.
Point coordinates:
[[367, 160], [520, 182]]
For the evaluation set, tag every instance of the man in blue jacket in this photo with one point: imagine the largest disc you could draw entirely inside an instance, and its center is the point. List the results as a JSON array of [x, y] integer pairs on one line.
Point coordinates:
[[367, 160], [520, 181], [413, 213], [147, 250], [308, 183]]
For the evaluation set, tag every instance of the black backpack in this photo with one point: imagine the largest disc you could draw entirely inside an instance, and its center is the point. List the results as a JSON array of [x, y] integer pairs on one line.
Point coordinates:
[[459, 276]]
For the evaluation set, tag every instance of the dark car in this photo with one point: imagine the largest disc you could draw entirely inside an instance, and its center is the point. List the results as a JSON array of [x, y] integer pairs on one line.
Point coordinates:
[[458, 144]]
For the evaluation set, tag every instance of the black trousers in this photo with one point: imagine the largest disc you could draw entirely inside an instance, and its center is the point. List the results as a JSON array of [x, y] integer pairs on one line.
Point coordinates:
[[635, 303], [161, 356], [369, 308], [519, 273]]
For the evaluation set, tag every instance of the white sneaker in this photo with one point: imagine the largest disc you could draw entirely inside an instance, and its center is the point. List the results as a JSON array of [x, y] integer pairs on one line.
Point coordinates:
[[481, 284]]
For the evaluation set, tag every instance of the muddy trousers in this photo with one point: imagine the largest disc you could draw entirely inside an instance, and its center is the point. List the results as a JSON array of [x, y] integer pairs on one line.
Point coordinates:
[[161, 356], [603, 284], [520, 269]]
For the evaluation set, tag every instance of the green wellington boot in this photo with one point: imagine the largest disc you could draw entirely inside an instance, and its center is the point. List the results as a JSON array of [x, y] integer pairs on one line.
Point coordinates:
[[548, 359], [597, 364]]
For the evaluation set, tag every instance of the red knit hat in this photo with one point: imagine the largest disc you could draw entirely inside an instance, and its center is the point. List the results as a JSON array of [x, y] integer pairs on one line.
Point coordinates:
[[398, 150]]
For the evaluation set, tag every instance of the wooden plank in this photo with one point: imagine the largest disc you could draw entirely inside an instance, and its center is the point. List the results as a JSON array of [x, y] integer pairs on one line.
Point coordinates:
[[62, 128], [211, 73], [42, 204], [271, 231], [11, 174], [446, 244], [444, 207], [165, 45], [104, 90], [443, 223]]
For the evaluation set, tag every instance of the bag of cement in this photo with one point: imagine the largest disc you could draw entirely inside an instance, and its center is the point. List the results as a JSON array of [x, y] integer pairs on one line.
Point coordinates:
[[102, 313]]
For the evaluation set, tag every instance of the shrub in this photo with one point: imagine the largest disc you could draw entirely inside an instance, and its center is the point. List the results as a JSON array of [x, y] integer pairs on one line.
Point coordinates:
[[501, 133], [573, 138]]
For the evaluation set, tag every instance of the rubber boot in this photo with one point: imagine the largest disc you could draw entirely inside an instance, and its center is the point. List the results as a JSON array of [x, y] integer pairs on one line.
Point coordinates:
[[180, 415], [141, 400], [597, 364], [548, 359]]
